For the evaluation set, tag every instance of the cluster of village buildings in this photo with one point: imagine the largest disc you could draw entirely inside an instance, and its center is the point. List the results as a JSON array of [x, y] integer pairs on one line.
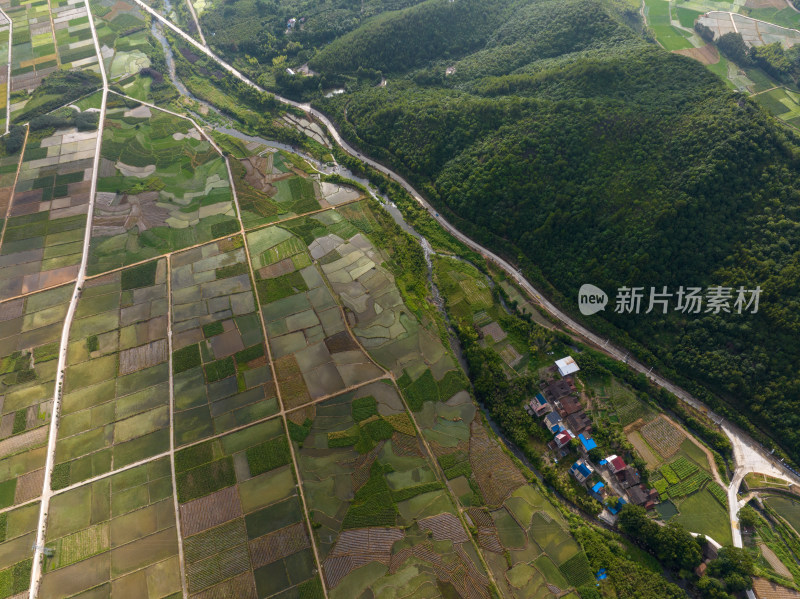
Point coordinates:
[[560, 408]]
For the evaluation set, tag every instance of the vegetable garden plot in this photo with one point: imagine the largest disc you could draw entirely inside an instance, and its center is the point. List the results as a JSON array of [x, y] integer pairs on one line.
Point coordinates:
[[43, 239], [245, 534], [30, 331], [118, 534], [161, 187], [222, 377], [376, 504], [314, 353], [17, 534], [115, 409]]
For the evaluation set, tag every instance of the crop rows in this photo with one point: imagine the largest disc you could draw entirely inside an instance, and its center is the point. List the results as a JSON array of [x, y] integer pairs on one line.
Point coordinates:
[[689, 486], [669, 474], [683, 468], [719, 494]]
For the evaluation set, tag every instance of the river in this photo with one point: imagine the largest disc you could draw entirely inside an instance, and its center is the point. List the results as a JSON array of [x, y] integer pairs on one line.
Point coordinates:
[[384, 201]]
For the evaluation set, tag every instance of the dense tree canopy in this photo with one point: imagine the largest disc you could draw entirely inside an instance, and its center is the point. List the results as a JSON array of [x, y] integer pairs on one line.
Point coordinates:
[[584, 153]]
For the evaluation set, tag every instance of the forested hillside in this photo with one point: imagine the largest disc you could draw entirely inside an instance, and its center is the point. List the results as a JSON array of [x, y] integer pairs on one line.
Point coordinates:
[[401, 40], [573, 146]]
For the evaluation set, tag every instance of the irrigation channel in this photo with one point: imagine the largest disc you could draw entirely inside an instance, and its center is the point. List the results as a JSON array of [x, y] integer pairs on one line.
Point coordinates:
[[338, 169], [748, 454]]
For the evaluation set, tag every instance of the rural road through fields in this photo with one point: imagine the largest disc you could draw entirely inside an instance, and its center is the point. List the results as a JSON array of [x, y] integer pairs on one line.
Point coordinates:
[[749, 455], [47, 492]]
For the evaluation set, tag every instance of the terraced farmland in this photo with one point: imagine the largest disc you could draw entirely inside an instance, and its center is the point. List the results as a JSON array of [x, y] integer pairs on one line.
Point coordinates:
[[162, 186]]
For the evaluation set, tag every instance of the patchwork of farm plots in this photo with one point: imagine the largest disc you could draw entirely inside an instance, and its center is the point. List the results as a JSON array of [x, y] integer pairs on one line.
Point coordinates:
[[478, 471], [781, 102], [123, 36], [17, 534], [179, 340], [33, 51], [382, 517], [470, 299], [43, 238], [314, 353], [8, 174], [30, 332], [243, 525], [753, 32], [273, 185], [115, 408], [5, 39], [46, 36], [222, 378], [658, 18], [116, 536], [162, 186]]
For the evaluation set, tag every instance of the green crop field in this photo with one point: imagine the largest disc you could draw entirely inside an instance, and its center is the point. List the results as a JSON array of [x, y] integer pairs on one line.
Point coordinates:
[[702, 513], [667, 35], [147, 152]]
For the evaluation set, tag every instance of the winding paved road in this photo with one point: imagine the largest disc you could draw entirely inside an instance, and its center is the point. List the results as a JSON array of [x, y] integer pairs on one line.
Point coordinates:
[[749, 455]]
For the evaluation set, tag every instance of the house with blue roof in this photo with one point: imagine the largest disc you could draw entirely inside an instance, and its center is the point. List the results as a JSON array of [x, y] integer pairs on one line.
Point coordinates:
[[587, 443], [581, 471], [615, 510], [598, 491], [553, 423]]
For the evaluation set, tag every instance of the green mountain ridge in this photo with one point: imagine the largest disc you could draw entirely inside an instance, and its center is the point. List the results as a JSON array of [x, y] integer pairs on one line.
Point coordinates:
[[570, 142]]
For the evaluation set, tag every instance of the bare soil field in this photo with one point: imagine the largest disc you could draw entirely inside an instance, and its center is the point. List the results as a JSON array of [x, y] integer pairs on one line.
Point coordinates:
[[708, 54]]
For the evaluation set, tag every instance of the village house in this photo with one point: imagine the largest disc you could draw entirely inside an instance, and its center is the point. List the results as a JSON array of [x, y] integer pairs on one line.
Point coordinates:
[[561, 442], [598, 491], [553, 422], [563, 438], [567, 405], [567, 366], [637, 495], [615, 464], [538, 406], [581, 471], [587, 444], [558, 389], [579, 422], [628, 477]]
